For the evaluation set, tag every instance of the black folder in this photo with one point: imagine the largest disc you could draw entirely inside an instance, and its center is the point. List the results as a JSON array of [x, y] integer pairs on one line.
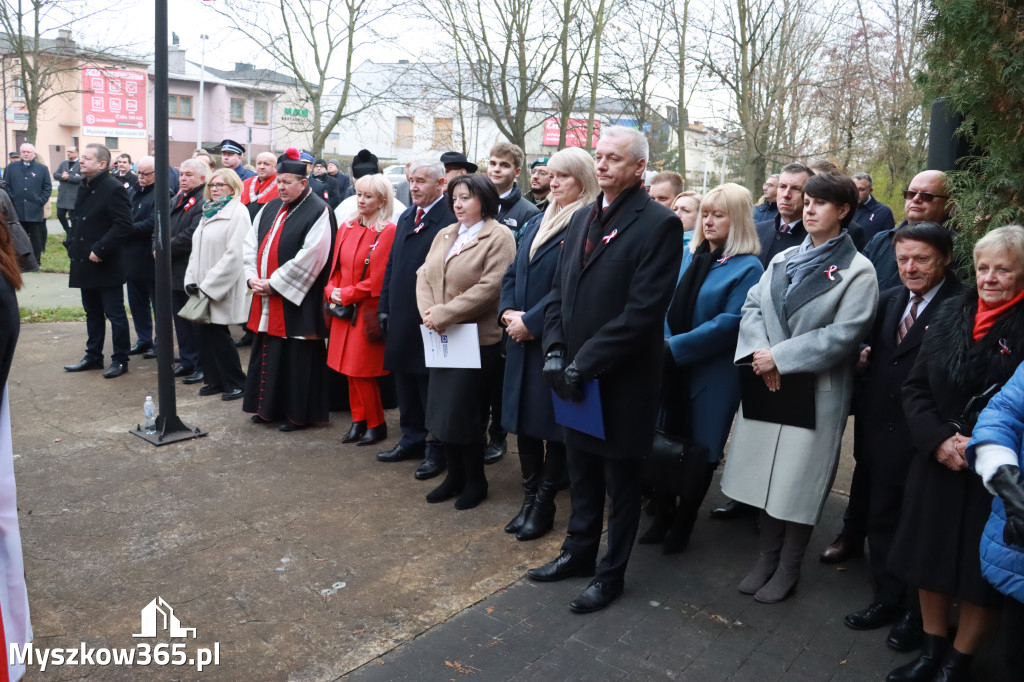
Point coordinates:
[[791, 405]]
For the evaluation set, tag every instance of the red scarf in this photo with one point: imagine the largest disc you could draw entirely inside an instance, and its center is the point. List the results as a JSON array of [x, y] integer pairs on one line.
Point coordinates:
[[986, 316]]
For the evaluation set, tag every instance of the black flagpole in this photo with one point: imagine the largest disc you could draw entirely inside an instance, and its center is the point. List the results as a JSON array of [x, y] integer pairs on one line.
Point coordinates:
[[169, 427]]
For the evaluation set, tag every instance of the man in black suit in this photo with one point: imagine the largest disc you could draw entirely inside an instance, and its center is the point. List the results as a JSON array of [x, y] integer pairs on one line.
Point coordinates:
[[787, 228], [923, 252], [400, 318], [123, 172], [28, 183], [101, 222], [605, 321]]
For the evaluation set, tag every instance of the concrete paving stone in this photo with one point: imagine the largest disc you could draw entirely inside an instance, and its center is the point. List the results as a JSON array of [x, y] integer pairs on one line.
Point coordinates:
[[711, 665], [539, 671], [813, 665], [605, 628], [659, 625], [760, 668]]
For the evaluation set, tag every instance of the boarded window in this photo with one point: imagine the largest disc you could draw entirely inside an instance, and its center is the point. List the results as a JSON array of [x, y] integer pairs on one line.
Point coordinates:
[[442, 133], [403, 132]]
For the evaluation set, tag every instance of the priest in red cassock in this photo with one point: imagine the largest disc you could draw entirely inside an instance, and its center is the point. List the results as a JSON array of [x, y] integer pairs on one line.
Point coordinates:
[[259, 190], [286, 266]]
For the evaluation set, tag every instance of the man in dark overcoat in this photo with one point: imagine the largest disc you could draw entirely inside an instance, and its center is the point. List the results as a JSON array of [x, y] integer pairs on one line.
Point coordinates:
[[605, 320], [69, 176], [923, 252], [399, 316], [786, 228], [140, 268], [28, 183], [186, 212], [102, 221]]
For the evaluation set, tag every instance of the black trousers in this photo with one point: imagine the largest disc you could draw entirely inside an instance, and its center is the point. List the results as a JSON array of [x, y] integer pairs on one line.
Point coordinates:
[[188, 339], [65, 215], [411, 391], [883, 519], [37, 235], [221, 365], [102, 304], [591, 477], [141, 299]]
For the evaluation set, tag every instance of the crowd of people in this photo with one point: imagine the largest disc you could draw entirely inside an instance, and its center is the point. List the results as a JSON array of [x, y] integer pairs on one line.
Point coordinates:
[[672, 319]]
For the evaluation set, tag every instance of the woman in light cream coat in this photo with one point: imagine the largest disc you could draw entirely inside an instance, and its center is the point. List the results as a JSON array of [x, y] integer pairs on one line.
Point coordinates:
[[215, 271], [809, 312]]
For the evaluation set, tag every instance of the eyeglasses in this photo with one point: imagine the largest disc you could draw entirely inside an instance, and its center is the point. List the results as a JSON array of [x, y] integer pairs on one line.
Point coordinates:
[[219, 185], [926, 197], [143, 174]]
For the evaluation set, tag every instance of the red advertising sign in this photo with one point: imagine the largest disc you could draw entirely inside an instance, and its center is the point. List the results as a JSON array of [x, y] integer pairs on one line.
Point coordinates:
[[575, 132], [113, 102]]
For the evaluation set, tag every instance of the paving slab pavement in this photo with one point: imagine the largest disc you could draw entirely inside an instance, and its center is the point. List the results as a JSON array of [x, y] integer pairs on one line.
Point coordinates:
[[304, 559]]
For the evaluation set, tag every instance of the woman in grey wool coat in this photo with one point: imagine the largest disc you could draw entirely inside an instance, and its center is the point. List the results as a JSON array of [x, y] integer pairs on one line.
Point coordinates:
[[808, 313]]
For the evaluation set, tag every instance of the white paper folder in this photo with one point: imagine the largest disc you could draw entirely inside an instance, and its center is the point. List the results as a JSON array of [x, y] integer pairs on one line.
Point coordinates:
[[459, 346]]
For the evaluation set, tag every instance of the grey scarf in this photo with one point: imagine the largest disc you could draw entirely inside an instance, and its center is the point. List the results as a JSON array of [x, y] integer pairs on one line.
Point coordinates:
[[809, 258]]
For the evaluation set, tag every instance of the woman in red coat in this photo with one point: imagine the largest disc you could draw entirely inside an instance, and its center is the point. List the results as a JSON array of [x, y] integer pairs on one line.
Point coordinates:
[[355, 346]]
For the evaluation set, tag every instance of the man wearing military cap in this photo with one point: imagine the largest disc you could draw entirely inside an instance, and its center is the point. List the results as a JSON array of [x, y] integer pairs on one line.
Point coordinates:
[[540, 184], [231, 156]]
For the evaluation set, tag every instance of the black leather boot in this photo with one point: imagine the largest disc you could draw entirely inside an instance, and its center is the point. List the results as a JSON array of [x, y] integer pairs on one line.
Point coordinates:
[[541, 518], [678, 536], [531, 461], [955, 668], [355, 432], [453, 482], [663, 508], [475, 490], [924, 667]]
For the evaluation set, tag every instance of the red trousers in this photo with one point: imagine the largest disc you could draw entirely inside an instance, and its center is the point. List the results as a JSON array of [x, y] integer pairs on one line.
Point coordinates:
[[364, 401]]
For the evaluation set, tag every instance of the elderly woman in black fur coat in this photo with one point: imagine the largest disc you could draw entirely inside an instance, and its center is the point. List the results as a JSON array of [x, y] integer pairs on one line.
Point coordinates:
[[975, 342]]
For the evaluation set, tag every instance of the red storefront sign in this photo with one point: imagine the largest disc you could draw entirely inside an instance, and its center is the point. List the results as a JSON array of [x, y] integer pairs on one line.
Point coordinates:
[[575, 132], [113, 102]]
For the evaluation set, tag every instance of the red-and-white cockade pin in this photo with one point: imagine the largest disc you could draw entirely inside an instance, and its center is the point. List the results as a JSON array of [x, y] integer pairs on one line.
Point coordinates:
[[723, 260], [832, 269], [607, 238], [190, 204], [1004, 348]]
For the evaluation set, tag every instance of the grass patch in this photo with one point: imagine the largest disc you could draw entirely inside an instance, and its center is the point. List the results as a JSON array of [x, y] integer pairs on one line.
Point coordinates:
[[59, 314], [55, 258]]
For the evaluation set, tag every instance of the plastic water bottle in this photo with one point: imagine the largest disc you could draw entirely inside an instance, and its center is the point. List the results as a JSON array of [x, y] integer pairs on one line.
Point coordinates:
[[149, 414]]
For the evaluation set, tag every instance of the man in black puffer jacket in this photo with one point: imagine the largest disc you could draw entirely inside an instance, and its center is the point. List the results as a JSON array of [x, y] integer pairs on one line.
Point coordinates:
[[503, 169]]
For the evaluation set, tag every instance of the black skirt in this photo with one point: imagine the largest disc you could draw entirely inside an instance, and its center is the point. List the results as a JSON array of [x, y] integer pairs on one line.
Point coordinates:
[[936, 544], [287, 380], [457, 398]]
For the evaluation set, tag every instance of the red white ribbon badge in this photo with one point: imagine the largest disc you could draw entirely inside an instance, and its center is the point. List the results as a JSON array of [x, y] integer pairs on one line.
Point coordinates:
[[607, 238], [1004, 348], [831, 271], [723, 260], [191, 203], [417, 228]]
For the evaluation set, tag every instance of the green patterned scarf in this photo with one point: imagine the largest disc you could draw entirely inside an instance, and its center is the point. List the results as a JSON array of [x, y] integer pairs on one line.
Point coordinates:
[[212, 208]]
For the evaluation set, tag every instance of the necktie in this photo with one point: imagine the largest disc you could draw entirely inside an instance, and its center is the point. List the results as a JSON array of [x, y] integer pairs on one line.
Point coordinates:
[[909, 320], [419, 215], [785, 228]]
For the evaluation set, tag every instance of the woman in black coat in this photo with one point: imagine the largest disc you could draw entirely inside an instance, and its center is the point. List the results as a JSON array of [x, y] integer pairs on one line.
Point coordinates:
[[526, 400], [975, 342]]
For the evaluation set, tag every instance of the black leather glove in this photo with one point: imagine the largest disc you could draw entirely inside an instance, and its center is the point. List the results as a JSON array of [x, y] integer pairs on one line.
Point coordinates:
[[573, 385], [554, 369], [192, 289], [382, 322], [1009, 485]]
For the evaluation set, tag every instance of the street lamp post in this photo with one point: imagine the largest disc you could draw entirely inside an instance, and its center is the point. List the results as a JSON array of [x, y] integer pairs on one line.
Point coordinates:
[[202, 88]]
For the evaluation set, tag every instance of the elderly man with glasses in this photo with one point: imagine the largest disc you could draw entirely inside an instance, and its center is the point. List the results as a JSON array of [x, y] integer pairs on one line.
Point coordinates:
[[927, 199]]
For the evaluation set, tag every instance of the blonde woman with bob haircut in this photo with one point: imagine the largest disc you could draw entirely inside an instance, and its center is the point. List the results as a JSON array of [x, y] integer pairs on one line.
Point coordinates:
[[527, 409], [355, 345], [702, 385]]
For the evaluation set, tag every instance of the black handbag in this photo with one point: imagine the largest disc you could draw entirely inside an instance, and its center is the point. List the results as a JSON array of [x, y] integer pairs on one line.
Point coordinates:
[[676, 465], [348, 312]]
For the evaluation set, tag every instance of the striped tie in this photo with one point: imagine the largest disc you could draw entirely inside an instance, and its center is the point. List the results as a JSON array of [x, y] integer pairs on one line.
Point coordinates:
[[908, 321]]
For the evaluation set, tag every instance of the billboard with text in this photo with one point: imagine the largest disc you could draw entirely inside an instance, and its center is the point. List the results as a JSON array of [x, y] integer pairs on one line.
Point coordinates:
[[113, 102], [575, 132]]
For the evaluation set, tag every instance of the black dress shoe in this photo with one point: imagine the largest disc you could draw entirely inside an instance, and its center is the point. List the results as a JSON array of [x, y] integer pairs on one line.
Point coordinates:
[[195, 377], [233, 394], [843, 548], [399, 453], [429, 469], [140, 347], [597, 596], [256, 419], [374, 435], [907, 634], [115, 370], [355, 432], [288, 427], [150, 354], [211, 390], [565, 566], [873, 617], [84, 364], [180, 371], [732, 510], [246, 339], [495, 450]]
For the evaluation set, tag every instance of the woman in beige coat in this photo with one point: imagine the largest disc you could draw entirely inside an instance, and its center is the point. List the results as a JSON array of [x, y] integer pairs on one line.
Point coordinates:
[[806, 316], [460, 283], [215, 271]]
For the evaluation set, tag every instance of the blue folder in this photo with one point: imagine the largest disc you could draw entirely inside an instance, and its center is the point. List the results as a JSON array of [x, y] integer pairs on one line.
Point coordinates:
[[584, 416]]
